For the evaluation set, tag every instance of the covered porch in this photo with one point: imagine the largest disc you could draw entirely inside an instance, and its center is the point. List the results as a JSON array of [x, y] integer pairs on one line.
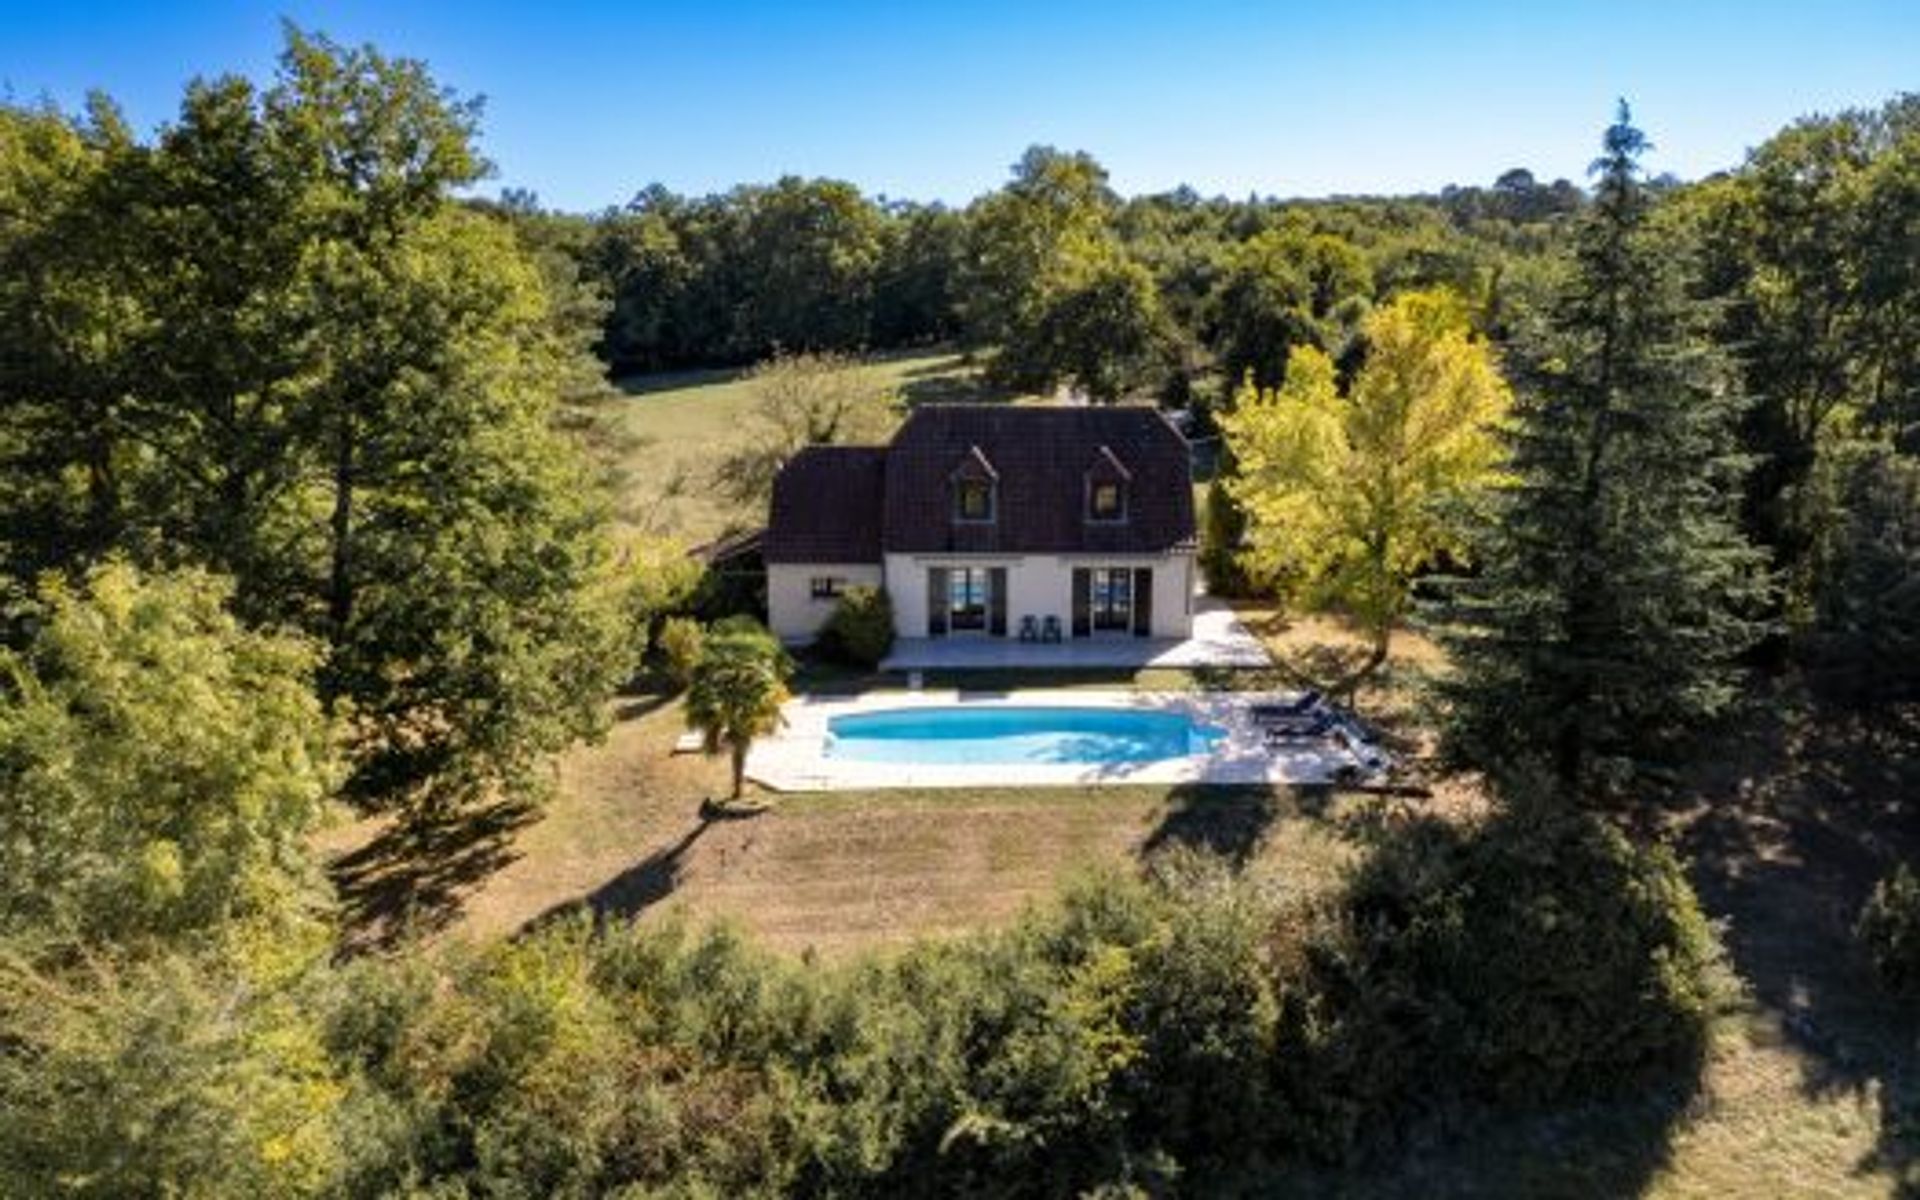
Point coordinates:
[[1219, 640]]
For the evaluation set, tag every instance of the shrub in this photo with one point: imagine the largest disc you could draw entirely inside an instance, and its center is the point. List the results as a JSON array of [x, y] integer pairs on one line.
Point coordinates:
[[861, 627], [1889, 931], [682, 641], [1538, 958]]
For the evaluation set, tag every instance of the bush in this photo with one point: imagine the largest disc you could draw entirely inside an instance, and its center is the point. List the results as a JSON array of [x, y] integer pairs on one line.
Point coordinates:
[[860, 630], [1889, 931], [1540, 958], [681, 641]]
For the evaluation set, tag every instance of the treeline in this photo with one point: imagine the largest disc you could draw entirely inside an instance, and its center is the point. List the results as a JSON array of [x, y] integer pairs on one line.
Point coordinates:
[[1067, 280]]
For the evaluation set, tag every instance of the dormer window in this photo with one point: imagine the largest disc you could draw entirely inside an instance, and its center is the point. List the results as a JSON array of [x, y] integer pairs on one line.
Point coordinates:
[[975, 488], [972, 500], [1106, 488]]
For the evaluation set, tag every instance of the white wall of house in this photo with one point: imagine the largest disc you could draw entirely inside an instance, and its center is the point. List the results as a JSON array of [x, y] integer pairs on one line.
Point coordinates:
[[1039, 585], [794, 613]]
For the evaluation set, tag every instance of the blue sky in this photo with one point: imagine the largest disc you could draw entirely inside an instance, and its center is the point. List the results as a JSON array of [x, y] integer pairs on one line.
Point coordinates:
[[586, 103]]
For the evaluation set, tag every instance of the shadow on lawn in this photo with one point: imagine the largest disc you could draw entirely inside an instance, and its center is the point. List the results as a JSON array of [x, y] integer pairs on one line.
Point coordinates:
[[1800, 824], [648, 881], [412, 879], [1229, 822]]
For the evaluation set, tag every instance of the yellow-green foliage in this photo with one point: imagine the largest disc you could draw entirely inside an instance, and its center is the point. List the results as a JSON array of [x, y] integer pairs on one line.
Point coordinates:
[[682, 641], [1349, 495], [160, 766]]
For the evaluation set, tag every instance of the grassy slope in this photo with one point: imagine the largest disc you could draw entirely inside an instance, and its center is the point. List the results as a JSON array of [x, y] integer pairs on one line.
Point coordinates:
[[685, 422]]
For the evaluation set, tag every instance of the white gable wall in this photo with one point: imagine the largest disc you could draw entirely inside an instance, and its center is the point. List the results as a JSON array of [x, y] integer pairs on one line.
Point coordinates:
[[793, 612]]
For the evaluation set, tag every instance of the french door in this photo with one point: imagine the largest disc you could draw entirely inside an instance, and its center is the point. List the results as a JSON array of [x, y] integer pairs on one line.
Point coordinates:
[[1112, 599]]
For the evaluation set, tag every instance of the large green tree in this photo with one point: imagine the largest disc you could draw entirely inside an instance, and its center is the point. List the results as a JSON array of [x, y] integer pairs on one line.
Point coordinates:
[[1616, 589], [290, 355]]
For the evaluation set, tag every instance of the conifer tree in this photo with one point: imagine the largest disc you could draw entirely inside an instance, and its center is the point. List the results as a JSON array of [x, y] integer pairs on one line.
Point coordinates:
[[1616, 589]]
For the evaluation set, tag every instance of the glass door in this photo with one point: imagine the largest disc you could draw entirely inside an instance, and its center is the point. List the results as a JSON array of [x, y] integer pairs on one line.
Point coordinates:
[[968, 598], [1112, 598]]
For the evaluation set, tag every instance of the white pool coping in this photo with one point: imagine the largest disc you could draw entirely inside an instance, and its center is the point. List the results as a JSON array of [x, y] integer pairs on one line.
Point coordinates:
[[793, 760]]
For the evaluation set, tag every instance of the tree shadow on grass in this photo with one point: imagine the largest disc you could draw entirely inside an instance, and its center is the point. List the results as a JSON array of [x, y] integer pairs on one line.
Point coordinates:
[[649, 881], [412, 879], [1231, 822], [1802, 818]]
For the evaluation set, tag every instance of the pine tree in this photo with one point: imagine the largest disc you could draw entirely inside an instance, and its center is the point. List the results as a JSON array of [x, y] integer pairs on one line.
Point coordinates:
[[1616, 590]]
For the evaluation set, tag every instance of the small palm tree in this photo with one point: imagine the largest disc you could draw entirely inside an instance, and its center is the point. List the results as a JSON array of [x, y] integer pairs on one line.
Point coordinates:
[[738, 686]]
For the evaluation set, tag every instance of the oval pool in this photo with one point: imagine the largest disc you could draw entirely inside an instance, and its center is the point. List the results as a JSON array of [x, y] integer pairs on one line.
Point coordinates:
[[1014, 734]]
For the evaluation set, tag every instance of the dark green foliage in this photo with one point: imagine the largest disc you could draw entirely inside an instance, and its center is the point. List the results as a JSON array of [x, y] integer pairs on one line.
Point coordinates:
[[1538, 959], [1104, 336], [290, 356], [1889, 932], [1223, 535], [860, 629], [1616, 592], [1865, 643]]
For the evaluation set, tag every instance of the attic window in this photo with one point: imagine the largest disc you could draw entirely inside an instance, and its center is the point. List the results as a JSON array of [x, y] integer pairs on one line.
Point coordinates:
[[972, 500], [1107, 479], [974, 485]]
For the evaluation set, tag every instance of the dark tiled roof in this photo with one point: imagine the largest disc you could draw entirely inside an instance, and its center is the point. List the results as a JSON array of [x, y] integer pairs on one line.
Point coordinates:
[[1041, 457], [826, 506]]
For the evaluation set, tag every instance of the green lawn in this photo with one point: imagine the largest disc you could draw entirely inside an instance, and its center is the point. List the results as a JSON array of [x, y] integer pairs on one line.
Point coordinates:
[[684, 422]]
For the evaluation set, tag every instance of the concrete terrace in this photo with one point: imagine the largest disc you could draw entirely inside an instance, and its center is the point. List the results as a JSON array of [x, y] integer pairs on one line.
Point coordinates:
[[1219, 640]]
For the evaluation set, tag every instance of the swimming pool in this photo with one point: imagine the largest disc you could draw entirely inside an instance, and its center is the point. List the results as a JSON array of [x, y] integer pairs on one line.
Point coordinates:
[[1016, 734]]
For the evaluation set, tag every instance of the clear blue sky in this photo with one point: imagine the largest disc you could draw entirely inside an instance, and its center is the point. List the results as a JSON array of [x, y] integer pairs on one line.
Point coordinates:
[[588, 102]]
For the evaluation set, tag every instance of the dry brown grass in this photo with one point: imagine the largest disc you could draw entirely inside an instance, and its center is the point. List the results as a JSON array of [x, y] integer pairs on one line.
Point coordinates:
[[636, 829]]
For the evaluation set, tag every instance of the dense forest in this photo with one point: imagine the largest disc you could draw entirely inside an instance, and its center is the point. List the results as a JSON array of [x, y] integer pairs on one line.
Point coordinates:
[[307, 505]]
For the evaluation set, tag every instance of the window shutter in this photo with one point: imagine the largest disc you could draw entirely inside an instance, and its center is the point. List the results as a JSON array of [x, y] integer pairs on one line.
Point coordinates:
[[1143, 602], [937, 602], [997, 601], [1082, 602]]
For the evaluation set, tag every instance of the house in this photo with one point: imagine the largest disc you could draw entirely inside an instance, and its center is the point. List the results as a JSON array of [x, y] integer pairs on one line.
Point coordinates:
[[993, 521]]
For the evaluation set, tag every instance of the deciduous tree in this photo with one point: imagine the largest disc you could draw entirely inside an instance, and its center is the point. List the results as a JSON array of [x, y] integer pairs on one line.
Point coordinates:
[[1350, 496]]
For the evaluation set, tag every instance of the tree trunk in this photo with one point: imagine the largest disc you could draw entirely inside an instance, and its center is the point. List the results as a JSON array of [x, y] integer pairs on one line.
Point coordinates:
[[739, 754]]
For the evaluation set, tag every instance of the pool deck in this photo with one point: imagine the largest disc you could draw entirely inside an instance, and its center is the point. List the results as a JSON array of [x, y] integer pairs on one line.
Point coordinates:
[[792, 759]]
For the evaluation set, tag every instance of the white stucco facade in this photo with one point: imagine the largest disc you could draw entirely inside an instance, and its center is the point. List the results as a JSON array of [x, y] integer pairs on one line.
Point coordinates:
[[1041, 585], [794, 612]]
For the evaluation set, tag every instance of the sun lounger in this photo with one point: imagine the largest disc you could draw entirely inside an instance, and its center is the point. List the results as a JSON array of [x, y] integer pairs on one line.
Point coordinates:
[[1305, 702]]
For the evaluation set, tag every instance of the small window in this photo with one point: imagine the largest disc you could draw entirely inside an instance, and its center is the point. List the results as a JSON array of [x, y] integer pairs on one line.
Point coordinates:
[[1106, 502], [973, 500], [827, 587]]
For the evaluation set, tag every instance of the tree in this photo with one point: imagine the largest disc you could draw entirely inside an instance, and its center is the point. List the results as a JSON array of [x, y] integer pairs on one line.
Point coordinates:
[[290, 355], [160, 766], [813, 249], [1051, 221], [803, 400], [1283, 288], [1809, 247], [739, 684], [1105, 336], [1350, 496], [1616, 591]]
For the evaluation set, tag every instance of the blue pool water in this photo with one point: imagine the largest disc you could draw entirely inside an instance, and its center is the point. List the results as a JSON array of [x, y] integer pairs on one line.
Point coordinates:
[[1011, 734]]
